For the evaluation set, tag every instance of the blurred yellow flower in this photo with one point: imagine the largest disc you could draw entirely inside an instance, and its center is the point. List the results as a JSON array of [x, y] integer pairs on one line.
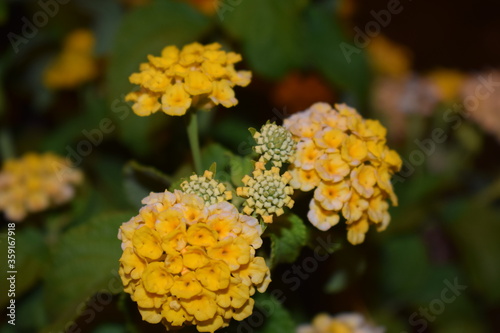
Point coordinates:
[[34, 183], [388, 57], [448, 82], [198, 76], [267, 192], [75, 65], [346, 160], [188, 263], [341, 323]]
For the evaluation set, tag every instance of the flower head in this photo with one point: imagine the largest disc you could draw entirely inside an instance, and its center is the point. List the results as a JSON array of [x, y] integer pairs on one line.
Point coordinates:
[[188, 263], [341, 323], [196, 76], [345, 159], [75, 65], [275, 144], [267, 192], [34, 183], [209, 189]]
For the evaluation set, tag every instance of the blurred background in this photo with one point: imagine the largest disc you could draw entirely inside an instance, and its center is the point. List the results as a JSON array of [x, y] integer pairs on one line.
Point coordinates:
[[429, 71]]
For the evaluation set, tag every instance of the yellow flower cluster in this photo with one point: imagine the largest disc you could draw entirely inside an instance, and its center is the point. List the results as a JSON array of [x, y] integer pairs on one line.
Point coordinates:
[[267, 192], [275, 144], [210, 190], [75, 65], [35, 182], [196, 76], [341, 323], [346, 160], [188, 264]]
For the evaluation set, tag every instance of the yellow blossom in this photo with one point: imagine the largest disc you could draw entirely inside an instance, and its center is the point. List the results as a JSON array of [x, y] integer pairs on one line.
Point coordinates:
[[341, 323], [188, 263], [389, 58], [448, 82], [197, 75], [345, 159], [75, 65], [36, 182]]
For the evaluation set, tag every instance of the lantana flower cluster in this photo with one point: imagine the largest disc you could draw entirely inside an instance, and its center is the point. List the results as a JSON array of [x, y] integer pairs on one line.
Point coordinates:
[[75, 65], [342, 323], [188, 264], [198, 76], [34, 183], [345, 159]]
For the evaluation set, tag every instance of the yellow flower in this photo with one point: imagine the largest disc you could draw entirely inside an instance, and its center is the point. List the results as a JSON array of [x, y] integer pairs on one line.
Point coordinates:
[[36, 182], [188, 263], [389, 58], [449, 83], [341, 323], [267, 192], [75, 65], [345, 159], [199, 76]]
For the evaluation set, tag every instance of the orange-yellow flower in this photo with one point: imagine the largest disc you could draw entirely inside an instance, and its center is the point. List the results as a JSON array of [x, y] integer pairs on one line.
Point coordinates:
[[36, 182], [342, 323], [198, 76], [75, 65], [346, 160], [187, 263]]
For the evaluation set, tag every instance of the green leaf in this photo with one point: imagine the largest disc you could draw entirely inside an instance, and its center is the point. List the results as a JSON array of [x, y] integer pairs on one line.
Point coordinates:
[[240, 166], [215, 153], [147, 30], [288, 235], [475, 233], [278, 319], [269, 31], [404, 284], [31, 307], [85, 262], [31, 255], [322, 39], [140, 180], [337, 282]]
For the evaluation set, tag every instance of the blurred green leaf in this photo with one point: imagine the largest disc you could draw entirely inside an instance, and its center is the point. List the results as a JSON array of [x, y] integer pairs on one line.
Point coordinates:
[[337, 282], [475, 233], [31, 255], [85, 262], [147, 30], [322, 39], [216, 153], [288, 235], [84, 126], [32, 307], [110, 328], [278, 319], [140, 180], [404, 267], [269, 31], [240, 166]]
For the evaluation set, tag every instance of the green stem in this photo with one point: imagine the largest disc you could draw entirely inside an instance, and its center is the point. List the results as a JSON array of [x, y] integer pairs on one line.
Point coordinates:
[[192, 130]]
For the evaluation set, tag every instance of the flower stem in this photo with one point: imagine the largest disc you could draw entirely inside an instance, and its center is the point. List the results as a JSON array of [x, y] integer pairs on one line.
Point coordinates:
[[192, 130]]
